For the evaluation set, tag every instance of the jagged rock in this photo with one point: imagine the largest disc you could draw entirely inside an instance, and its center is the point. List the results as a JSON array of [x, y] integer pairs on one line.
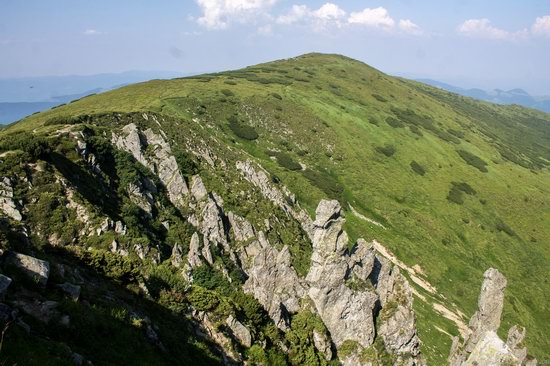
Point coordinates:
[[207, 329], [36, 269], [5, 282], [43, 311], [347, 314], [482, 346], [242, 229], [120, 228], [362, 259], [322, 344], [490, 350], [516, 334], [70, 289], [177, 256], [6, 314], [7, 203], [141, 198], [398, 321], [198, 190], [194, 256], [490, 303], [272, 280], [161, 161], [239, 331]]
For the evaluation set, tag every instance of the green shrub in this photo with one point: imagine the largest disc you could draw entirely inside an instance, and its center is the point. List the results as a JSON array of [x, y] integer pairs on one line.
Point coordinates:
[[211, 279], [111, 265], [276, 96], [373, 121], [503, 227], [394, 122], [227, 92], [417, 168], [286, 161], [379, 98], [230, 82], [325, 182], [203, 299], [241, 130], [387, 150], [34, 145], [473, 160], [456, 191]]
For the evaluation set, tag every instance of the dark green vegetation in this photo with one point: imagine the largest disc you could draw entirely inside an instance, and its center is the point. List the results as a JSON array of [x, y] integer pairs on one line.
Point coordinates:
[[460, 185]]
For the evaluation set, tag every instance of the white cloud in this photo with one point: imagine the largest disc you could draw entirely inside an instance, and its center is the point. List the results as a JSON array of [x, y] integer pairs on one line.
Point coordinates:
[[482, 28], [218, 14], [296, 14], [377, 17], [329, 12], [541, 27], [408, 26], [91, 32]]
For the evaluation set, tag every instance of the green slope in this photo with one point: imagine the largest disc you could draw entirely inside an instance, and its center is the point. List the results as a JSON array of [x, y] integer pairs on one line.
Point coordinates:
[[460, 185]]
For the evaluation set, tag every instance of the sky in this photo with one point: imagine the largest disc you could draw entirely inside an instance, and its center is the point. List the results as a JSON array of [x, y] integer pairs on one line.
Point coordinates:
[[469, 43]]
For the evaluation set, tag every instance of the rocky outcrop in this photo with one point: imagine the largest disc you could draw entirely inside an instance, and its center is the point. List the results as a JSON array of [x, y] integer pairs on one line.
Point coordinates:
[[397, 319], [5, 282], [241, 228], [198, 190], [482, 346], [322, 344], [272, 280], [239, 331], [7, 203], [159, 159], [347, 314], [72, 290], [36, 269]]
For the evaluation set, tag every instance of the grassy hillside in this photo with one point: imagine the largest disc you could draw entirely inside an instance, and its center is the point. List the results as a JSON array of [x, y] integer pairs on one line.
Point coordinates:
[[457, 185]]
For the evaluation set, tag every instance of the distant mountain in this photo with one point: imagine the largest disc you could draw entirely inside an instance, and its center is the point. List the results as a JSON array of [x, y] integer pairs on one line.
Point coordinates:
[[514, 96], [21, 97]]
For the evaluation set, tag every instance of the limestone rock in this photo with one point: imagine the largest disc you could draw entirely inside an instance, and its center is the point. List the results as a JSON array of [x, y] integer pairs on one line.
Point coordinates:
[[73, 291], [272, 280], [490, 303], [36, 269], [347, 314], [161, 161], [490, 350], [322, 344], [198, 190], [141, 198], [242, 229], [7, 203], [5, 282], [398, 321], [239, 331], [516, 334], [194, 256], [43, 311], [177, 256]]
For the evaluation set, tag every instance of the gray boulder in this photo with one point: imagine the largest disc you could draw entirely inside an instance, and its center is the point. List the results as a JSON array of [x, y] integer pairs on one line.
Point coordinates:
[[36, 269], [7, 203], [5, 282], [239, 331], [73, 291]]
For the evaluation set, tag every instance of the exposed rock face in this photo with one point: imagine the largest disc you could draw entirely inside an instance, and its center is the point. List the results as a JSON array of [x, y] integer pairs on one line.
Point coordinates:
[[272, 280], [198, 190], [161, 161], [322, 344], [239, 331], [482, 346], [194, 256], [347, 314], [5, 282], [73, 291], [398, 320], [36, 269], [242, 229], [7, 203], [177, 256], [142, 198], [490, 304]]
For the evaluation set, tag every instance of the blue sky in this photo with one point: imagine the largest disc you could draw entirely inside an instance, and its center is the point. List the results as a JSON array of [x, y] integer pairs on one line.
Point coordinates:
[[500, 44]]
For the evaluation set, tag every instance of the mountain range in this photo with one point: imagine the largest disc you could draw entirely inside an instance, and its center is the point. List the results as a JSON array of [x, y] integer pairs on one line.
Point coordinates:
[[305, 211]]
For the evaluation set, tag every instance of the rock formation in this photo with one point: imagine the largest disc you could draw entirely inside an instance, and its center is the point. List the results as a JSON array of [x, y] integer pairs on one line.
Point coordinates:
[[482, 346], [7, 203]]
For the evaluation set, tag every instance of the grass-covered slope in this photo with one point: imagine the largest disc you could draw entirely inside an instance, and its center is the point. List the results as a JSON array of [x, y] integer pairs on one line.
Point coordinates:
[[457, 185]]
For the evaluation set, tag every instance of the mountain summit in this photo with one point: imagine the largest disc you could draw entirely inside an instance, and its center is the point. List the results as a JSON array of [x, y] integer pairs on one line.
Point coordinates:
[[307, 211]]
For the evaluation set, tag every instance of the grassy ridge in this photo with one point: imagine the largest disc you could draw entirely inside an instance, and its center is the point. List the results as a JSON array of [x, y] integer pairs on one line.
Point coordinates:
[[356, 132]]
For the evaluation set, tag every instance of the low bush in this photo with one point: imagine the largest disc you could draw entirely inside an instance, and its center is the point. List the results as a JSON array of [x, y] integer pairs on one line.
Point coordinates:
[[417, 168], [325, 182], [387, 150], [473, 160], [34, 145], [241, 130], [503, 227], [227, 92], [394, 122], [277, 96], [286, 161], [379, 98]]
